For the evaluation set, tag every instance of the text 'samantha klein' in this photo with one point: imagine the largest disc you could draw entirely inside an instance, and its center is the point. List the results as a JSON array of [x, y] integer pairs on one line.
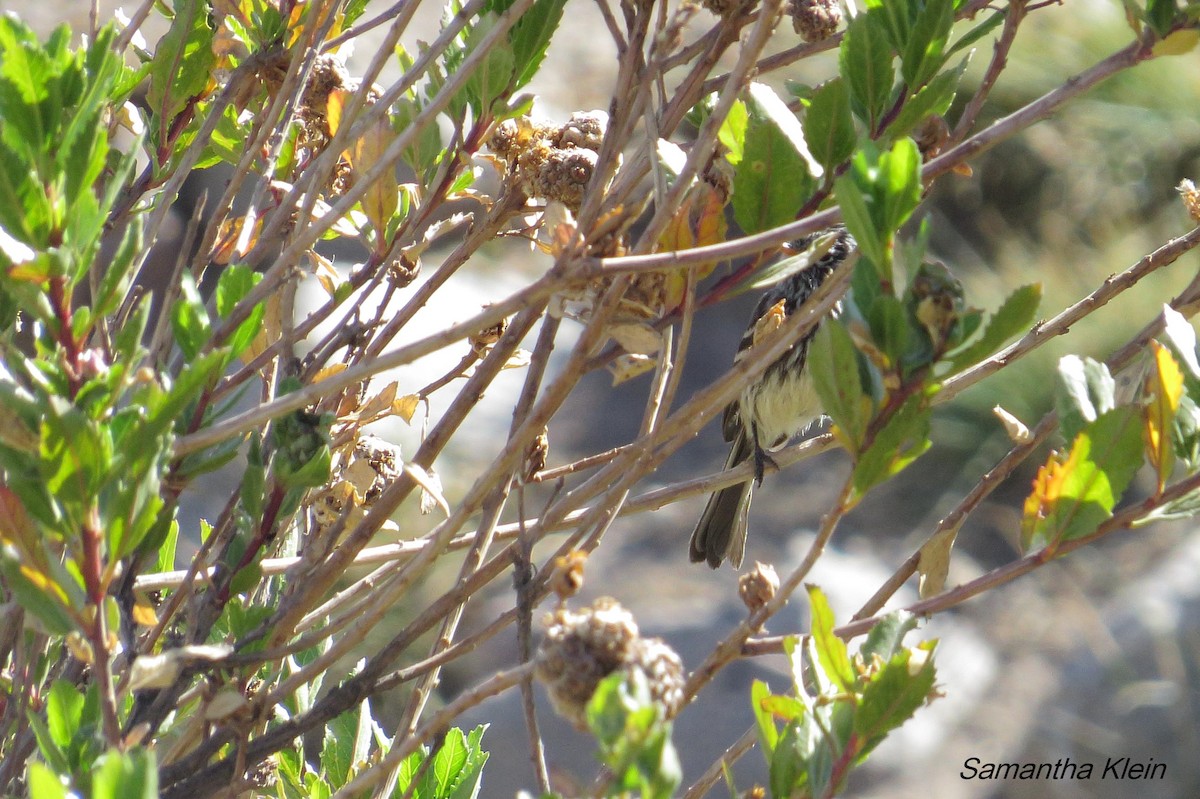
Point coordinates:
[[1113, 768]]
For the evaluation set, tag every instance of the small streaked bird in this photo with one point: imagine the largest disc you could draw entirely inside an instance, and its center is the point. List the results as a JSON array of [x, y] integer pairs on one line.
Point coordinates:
[[779, 404]]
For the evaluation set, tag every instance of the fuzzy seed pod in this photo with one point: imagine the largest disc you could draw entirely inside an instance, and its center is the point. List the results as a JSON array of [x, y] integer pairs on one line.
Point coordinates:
[[758, 586], [585, 129], [564, 176], [505, 140], [725, 8], [664, 673], [567, 579], [328, 74], [579, 650], [815, 20], [1191, 198]]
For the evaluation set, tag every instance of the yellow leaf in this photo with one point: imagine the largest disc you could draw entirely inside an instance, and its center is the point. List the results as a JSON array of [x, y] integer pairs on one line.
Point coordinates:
[[628, 366], [380, 201], [228, 246], [1177, 42], [329, 371], [79, 647], [699, 222], [1164, 387], [1017, 431], [379, 403], [269, 333], [709, 217], [295, 27], [326, 274], [335, 104], [934, 563], [636, 338], [677, 235], [143, 612], [406, 407], [1043, 499]]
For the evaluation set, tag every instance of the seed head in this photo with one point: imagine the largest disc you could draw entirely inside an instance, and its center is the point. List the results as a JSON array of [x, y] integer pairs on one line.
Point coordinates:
[[758, 586], [815, 20], [582, 648], [584, 129], [564, 176]]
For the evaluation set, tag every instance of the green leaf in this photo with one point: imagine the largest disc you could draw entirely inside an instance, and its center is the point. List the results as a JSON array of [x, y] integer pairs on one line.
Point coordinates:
[[1075, 497], [776, 173], [49, 750], [935, 97], [1013, 317], [530, 37], [903, 439], [209, 460], [182, 65], [831, 650], [64, 710], [834, 364], [829, 125], [887, 635], [254, 479], [786, 769], [470, 776], [166, 413], [890, 329], [781, 270], [76, 452], [115, 280], [895, 18], [44, 783], [426, 151], [447, 763], [166, 550], [900, 171], [337, 749], [768, 735], [125, 775], [978, 32], [235, 283], [189, 319], [865, 62], [1180, 336], [878, 193], [894, 693], [732, 133], [923, 54], [857, 215], [44, 602], [1161, 14], [1087, 391]]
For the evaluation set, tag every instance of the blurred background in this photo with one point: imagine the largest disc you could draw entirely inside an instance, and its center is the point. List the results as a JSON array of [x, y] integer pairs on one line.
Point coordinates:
[[1090, 657]]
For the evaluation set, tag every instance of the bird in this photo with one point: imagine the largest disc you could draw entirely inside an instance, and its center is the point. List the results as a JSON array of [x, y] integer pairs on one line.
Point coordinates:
[[779, 404]]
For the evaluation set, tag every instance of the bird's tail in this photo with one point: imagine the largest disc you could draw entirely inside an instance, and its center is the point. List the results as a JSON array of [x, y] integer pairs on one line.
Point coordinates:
[[721, 532]]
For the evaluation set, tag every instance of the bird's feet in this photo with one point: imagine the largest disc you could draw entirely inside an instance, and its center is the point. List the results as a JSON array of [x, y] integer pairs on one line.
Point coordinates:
[[762, 459]]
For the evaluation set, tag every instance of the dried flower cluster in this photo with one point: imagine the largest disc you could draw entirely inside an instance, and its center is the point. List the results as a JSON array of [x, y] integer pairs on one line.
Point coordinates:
[[727, 9], [1191, 198], [554, 162], [582, 648], [328, 87], [815, 20], [372, 466], [758, 586]]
